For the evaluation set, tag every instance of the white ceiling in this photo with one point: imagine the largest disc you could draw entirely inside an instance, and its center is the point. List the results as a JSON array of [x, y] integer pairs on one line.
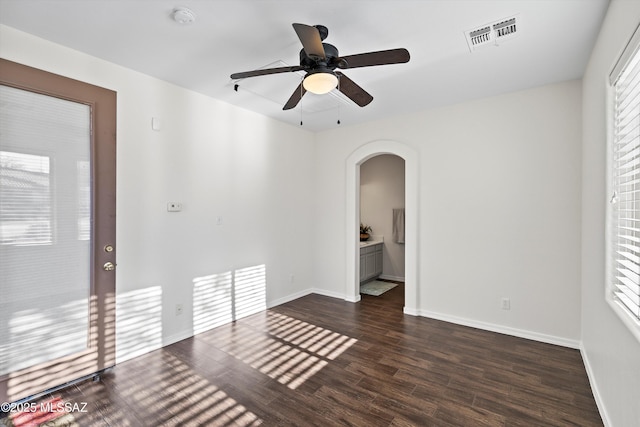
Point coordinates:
[[555, 38]]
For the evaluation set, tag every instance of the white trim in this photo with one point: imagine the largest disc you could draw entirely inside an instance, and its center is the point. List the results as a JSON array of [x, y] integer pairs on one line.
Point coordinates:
[[350, 298], [290, 297], [174, 338], [171, 339], [602, 409], [132, 355], [352, 218], [628, 52], [521, 333], [411, 312], [631, 324], [331, 294], [306, 292]]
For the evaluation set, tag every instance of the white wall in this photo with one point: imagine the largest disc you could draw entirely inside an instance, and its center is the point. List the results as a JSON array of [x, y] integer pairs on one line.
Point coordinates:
[[218, 161], [381, 191], [611, 352], [499, 209]]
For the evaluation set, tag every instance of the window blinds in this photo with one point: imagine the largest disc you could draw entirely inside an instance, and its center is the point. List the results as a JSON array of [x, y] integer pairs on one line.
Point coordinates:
[[625, 215]]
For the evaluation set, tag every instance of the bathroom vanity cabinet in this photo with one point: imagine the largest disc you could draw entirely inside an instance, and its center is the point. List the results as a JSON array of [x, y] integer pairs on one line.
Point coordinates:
[[370, 261]]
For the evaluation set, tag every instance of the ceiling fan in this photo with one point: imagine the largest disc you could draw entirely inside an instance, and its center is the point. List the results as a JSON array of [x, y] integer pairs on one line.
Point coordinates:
[[320, 61]]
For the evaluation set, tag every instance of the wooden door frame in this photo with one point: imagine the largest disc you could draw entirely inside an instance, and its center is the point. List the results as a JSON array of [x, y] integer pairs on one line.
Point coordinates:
[[101, 353]]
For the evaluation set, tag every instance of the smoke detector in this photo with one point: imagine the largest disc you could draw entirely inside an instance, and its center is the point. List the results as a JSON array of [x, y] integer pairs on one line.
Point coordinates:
[[183, 15], [493, 33]]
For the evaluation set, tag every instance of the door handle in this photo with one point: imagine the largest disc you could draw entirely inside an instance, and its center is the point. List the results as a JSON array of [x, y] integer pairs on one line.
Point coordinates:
[[109, 266]]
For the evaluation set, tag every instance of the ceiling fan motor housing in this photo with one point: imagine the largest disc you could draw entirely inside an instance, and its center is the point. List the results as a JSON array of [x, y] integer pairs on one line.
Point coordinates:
[[321, 69], [330, 52]]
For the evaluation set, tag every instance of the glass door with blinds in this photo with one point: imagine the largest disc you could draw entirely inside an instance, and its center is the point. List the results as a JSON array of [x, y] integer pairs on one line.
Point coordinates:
[[57, 246]]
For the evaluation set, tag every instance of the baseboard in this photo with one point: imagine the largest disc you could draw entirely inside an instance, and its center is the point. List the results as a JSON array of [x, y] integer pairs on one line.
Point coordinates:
[[356, 299], [174, 338], [290, 297], [521, 333], [411, 311], [549, 339], [594, 388], [394, 278], [308, 291], [332, 294], [139, 352]]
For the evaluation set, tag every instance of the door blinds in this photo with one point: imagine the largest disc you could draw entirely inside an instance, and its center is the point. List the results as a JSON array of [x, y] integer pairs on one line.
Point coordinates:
[[44, 212]]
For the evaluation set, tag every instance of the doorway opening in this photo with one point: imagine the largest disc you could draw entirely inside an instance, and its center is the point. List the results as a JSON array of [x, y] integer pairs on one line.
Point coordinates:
[[382, 213], [354, 162]]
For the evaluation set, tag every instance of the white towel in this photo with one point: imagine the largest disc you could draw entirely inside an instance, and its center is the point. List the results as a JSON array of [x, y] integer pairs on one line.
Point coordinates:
[[398, 225]]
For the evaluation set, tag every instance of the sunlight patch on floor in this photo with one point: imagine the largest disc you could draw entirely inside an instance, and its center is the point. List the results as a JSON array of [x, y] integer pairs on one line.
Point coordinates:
[[178, 395], [291, 352]]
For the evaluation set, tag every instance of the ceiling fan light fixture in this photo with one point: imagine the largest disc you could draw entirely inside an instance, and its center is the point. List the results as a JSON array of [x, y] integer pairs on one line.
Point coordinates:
[[320, 82]]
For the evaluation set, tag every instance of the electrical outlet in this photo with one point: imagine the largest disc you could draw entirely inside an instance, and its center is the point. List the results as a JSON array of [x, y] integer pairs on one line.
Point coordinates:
[[506, 304], [179, 309]]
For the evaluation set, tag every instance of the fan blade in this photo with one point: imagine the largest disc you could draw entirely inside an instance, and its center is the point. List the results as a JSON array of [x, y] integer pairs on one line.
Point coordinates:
[[265, 72], [353, 91], [310, 39], [295, 97], [382, 57]]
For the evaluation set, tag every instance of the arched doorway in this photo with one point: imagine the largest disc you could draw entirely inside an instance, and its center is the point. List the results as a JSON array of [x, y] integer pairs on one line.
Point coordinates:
[[354, 161]]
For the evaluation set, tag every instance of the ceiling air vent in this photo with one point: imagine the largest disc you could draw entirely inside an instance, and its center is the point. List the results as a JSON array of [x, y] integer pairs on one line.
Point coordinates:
[[493, 33], [505, 28], [479, 36]]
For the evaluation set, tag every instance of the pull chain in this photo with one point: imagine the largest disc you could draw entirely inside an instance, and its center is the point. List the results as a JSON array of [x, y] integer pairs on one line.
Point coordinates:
[[339, 104], [300, 103]]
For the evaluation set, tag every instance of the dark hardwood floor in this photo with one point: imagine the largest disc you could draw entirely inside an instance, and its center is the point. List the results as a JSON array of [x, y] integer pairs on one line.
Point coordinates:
[[322, 361]]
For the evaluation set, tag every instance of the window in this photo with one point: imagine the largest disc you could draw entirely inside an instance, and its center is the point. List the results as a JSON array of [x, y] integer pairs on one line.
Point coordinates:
[[623, 289]]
